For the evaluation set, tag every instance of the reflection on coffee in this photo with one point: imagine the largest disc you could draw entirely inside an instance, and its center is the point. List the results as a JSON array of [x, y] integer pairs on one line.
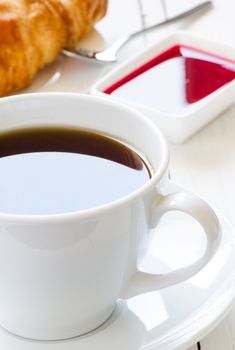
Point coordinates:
[[51, 170]]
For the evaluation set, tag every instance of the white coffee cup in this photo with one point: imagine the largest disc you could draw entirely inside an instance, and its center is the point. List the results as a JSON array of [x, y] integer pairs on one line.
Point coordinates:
[[60, 275]]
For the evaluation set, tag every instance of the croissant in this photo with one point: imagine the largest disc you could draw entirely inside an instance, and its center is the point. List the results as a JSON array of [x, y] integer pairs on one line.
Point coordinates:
[[33, 32]]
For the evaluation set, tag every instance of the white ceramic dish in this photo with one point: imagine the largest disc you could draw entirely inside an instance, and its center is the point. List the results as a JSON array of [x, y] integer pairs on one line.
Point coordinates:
[[184, 313], [65, 75], [177, 127]]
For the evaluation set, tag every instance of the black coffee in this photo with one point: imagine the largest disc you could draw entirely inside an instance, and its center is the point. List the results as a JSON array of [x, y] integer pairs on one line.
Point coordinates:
[[50, 170]]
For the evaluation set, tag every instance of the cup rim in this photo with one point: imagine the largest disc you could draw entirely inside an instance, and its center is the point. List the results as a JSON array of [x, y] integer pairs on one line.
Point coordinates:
[[110, 205]]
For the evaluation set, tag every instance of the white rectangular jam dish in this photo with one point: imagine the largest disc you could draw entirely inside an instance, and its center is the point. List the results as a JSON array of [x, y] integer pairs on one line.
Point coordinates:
[[177, 122]]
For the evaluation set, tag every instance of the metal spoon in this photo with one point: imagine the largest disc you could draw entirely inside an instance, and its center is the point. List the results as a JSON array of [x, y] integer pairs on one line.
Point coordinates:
[[110, 54]]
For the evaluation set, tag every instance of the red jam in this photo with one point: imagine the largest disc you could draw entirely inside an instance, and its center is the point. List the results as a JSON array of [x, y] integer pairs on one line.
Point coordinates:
[[175, 79]]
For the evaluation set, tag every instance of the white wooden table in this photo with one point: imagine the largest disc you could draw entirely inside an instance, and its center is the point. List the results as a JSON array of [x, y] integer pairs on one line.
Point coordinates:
[[206, 163]]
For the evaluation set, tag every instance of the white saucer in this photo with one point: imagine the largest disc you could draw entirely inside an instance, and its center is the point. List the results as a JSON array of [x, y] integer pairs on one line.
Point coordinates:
[[173, 318]]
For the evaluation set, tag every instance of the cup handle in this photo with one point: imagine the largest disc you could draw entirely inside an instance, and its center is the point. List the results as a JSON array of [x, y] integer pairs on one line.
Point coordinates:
[[190, 204]]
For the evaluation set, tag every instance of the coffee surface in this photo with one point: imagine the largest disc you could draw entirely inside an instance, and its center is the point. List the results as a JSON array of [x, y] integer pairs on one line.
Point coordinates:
[[52, 170]]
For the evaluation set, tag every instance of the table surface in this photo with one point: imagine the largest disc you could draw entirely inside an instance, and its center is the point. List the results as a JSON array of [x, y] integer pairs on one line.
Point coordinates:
[[205, 163]]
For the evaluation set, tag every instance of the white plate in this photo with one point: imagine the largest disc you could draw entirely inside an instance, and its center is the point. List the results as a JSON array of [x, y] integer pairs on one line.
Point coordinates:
[[173, 318], [177, 127], [66, 75]]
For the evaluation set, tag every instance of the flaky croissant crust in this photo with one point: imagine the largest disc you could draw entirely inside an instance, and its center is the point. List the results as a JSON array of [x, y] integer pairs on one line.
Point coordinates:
[[33, 32]]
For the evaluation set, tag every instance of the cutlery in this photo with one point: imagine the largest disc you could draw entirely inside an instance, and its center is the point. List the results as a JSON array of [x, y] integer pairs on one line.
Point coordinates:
[[109, 54]]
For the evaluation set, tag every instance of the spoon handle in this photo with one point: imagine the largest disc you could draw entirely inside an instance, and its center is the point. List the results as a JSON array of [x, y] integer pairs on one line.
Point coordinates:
[[115, 47], [176, 18]]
